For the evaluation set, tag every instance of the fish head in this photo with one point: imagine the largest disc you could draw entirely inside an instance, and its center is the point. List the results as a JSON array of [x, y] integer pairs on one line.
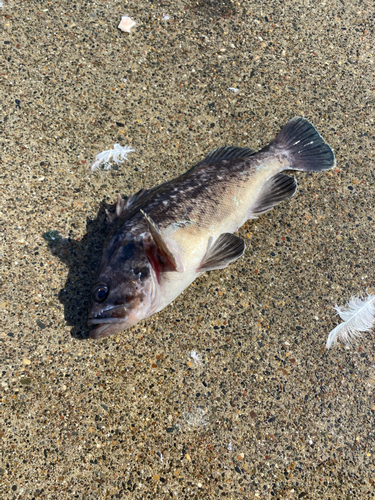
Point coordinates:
[[125, 291]]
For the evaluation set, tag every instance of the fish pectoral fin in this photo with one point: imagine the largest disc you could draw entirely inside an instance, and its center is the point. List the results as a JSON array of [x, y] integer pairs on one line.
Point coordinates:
[[226, 249], [165, 255], [274, 191]]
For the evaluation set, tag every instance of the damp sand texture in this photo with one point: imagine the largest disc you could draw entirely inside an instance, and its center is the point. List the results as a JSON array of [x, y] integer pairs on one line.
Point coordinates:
[[262, 409]]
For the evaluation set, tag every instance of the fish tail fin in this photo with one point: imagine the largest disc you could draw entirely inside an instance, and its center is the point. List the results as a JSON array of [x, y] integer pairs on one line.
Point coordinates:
[[304, 146]]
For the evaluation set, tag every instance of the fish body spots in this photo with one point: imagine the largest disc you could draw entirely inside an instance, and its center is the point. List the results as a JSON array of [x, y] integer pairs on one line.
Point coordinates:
[[261, 167], [182, 223]]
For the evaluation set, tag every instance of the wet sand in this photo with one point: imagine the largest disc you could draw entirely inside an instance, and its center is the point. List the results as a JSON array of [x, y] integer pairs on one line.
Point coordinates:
[[267, 412]]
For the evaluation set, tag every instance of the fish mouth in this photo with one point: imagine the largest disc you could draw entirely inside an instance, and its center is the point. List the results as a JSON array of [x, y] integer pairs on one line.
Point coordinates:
[[108, 323], [99, 321], [106, 329]]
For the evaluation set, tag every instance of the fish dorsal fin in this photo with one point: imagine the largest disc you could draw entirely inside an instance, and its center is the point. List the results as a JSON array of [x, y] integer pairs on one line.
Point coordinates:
[[120, 203], [226, 153], [134, 198], [161, 256], [226, 249], [124, 205], [277, 189]]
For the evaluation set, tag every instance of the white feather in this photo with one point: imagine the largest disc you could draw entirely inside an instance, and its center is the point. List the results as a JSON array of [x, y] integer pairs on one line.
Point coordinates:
[[196, 357], [118, 154], [358, 316]]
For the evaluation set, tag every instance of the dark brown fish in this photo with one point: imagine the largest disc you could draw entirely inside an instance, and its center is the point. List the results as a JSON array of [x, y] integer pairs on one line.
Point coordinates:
[[165, 237]]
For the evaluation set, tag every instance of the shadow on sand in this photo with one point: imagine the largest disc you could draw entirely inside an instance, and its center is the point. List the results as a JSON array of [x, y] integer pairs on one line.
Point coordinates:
[[82, 258]]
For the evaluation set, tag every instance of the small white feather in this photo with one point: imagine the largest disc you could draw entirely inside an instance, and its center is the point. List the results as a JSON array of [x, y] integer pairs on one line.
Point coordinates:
[[196, 357], [118, 154], [358, 316]]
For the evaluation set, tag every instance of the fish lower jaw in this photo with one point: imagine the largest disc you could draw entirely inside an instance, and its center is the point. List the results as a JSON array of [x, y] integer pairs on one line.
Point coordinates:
[[102, 321], [106, 329]]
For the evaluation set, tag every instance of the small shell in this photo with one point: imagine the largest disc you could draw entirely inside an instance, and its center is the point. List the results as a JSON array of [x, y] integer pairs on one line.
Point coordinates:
[[126, 24]]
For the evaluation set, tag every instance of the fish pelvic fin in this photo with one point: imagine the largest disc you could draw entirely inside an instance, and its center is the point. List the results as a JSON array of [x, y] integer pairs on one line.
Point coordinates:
[[225, 250], [303, 145], [160, 255], [277, 189]]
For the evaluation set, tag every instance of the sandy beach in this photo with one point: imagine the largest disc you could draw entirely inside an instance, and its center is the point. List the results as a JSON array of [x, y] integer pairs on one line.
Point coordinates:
[[230, 391]]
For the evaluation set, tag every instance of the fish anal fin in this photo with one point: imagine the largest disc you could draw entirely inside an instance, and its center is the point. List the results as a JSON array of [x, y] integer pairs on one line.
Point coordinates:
[[279, 188], [159, 253], [225, 250]]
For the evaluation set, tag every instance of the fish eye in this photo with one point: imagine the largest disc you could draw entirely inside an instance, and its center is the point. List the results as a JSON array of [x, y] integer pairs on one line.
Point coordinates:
[[100, 292]]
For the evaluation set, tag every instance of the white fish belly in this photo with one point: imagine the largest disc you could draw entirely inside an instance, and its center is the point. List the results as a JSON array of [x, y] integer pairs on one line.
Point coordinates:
[[192, 241]]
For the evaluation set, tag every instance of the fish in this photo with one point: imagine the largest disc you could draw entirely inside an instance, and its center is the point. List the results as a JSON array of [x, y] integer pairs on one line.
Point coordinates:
[[163, 238]]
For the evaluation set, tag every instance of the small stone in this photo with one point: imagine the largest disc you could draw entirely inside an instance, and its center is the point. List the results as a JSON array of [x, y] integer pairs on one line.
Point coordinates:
[[52, 235]]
